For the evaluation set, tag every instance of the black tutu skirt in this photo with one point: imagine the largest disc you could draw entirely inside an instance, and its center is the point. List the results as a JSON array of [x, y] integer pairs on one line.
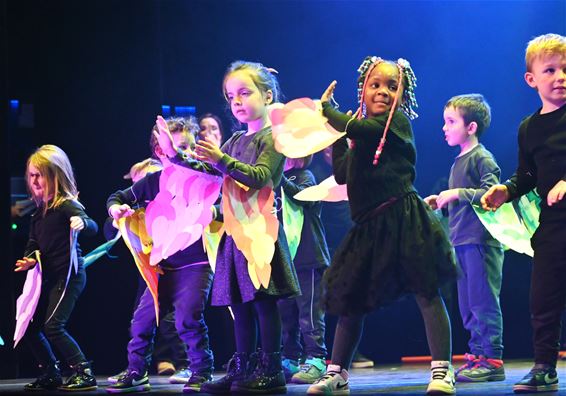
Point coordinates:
[[400, 250], [232, 283]]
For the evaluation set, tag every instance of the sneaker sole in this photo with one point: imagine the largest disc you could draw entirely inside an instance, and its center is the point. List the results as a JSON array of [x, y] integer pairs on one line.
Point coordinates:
[[328, 392], [88, 388], [178, 380], [531, 389], [139, 388], [500, 377], [441, 391], [304, 381]]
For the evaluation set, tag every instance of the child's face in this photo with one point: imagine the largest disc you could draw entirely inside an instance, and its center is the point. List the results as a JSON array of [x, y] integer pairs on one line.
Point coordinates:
[[183, 140], [456, 132], [246, 101], [37, 183], [209, 128], [548, 77], [381, 89]]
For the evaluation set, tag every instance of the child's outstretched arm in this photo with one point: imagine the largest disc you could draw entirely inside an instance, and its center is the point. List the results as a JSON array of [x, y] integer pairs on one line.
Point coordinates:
[[298, 183], [494, 197]]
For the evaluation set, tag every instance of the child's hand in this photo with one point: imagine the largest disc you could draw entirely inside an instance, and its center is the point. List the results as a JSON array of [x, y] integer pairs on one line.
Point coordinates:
[[206, 150], [557, 193], [431, 201], [329, 92], [164, 137], [24, 264], [119, 211], [496, 196], [77, 223], [445, 197]]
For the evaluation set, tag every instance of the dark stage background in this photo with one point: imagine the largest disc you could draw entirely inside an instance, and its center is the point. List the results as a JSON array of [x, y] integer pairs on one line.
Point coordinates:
[[90, 76]]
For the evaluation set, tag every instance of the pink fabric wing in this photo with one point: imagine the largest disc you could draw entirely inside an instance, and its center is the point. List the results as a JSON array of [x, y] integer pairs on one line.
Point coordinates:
[[27, 301]]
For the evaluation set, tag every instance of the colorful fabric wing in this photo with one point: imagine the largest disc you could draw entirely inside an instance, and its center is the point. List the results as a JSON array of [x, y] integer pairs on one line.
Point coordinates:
[[139, 243], [176, 218], [27, 301], [528, 208], [505, 226], [100, 251], [249, 219], [327, 190], [299, 128], [211, 239], [293, 219]]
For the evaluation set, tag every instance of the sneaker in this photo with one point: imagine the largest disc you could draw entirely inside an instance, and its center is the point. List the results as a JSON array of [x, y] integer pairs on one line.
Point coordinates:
[[195, 382], [470, 361], [360, 361], [165, 368], [83, 379], [131, 382], [334, 382], [484, 370], [290, 367], [542, 379], [181, 376], [442, 379], [313, 369], [115, 378]]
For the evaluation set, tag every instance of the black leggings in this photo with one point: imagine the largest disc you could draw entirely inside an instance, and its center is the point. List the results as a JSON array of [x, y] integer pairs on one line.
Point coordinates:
[[437, 325], [245, 325]]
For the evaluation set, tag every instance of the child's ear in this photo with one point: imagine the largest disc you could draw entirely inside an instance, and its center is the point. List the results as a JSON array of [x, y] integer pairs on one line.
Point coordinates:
[[472, 128], [268, 97], [530, 79]]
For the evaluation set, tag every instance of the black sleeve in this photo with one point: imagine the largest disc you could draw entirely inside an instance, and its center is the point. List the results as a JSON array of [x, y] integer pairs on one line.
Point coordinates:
[[297, 183], [368, 128], [32, 241], [74, 208], [524, 179], [339, 160], [141, 191]]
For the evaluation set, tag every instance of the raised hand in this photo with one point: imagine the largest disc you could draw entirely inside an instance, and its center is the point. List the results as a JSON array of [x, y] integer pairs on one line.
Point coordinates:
[[24, 264], [77, 223], [329, 92], [206, 150], [496, 196], [164, 138], [119, 211]]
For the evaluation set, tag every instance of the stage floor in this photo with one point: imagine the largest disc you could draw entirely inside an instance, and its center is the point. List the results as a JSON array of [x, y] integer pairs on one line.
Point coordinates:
[[381, 380]]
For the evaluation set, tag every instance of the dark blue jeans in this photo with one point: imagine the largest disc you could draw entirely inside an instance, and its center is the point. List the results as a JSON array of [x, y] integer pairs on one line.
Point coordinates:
[[186, 292], [478, 298], [41, 336], [304, 315]]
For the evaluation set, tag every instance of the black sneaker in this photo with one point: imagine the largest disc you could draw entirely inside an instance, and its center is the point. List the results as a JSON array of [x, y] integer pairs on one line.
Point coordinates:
[[538, 380], [115, 378], [131, 382], [195, 382]]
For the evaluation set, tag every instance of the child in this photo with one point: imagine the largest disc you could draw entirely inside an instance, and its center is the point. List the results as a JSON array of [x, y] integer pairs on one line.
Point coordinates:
[[52, 185], [396, 245], [184, 286], [211, 127], [480, 256], [248, 158], [542, 164], [304, 314]]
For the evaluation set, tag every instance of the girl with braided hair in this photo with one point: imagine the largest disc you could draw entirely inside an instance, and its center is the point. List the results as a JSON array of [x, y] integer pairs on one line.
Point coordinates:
[[396, 245]]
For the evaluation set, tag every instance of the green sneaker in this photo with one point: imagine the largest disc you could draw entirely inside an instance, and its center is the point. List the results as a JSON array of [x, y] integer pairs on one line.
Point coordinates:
[[483, 371], [310, 371], [290, 367]]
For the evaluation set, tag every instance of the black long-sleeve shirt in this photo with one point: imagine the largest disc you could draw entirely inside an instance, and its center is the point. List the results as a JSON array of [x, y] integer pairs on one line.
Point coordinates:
[[542, 160], [50, 234], [312, 251], [370, 185], [139, 195]]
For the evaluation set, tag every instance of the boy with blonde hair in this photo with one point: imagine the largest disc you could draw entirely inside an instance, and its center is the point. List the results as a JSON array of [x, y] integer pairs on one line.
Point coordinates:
[[542, 164]]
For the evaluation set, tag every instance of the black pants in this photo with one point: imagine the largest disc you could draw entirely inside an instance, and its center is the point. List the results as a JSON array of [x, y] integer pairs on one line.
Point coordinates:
[[548, 290], [41, 335]]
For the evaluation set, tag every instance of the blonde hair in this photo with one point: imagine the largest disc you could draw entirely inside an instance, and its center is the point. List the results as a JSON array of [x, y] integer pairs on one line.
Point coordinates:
[[544, 45], [55, 167]]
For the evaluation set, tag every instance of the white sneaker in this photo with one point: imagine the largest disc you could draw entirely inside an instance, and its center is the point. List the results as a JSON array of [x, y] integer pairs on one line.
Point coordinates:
[[442, 378], [334, 382]]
